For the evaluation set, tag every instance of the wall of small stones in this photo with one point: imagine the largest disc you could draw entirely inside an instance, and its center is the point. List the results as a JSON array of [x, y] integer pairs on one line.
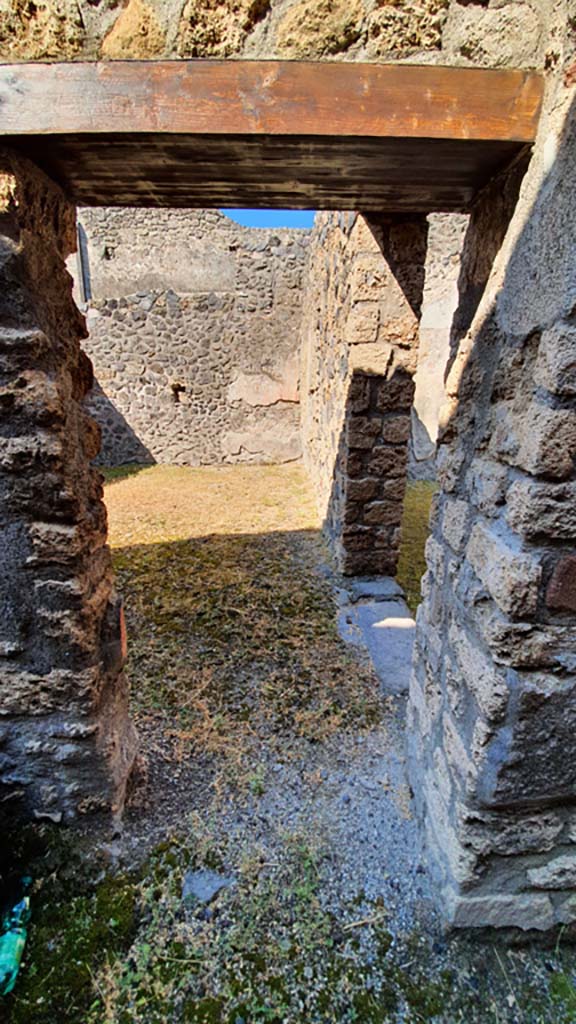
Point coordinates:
[[493, 693], [359, 353], [66, 743], [194, 336]]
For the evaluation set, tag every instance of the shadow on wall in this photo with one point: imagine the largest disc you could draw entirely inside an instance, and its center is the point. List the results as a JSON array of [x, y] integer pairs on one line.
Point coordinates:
[[117, 434], [489, 221], [365, 507], [364, 511]]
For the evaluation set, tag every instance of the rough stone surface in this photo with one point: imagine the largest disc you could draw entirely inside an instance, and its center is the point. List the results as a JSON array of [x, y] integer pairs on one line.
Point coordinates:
[[493, 689], [67, 741], [195, 343], [137, 34], [439, 302], [447, 31], [359, 352]]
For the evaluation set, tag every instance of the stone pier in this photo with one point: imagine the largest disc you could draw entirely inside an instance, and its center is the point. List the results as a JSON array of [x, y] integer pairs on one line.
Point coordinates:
[[66, 743], [359, 355]]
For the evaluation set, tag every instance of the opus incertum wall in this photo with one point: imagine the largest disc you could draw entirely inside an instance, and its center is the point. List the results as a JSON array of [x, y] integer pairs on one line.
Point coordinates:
[[194, 330], [492, 703]]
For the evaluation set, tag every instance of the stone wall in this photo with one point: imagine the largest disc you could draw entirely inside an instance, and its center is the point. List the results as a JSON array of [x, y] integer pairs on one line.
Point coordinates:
[[503, 32], [439, 303], [66, 744], [359, 352], [493, 693], [194, 335]]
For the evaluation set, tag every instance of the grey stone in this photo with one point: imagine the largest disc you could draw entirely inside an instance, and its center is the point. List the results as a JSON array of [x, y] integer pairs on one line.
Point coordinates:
[[385, 628], [510, 575], [204, 885], [558, 873], [528, 911], [379, 588]]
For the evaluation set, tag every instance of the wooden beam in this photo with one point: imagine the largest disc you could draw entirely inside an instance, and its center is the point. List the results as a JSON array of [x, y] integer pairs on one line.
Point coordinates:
[[232, 133], [269, 98]]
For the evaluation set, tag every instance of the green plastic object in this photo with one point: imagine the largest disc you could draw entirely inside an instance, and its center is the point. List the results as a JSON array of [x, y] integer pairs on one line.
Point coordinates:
[[13, 932]]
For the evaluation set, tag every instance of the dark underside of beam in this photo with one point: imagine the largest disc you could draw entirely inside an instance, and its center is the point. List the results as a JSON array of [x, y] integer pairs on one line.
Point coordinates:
[[293, 172], [268, 134]]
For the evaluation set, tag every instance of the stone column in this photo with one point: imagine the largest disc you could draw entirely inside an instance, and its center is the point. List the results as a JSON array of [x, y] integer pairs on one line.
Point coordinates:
[[492, 714], [66, 743]]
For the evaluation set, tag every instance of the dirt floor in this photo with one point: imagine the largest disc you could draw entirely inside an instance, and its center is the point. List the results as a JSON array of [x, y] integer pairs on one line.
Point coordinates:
[[268, 868]]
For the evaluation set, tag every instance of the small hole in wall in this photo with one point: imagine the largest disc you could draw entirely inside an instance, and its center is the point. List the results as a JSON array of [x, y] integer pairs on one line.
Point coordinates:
[[109, 252], [177, 390]]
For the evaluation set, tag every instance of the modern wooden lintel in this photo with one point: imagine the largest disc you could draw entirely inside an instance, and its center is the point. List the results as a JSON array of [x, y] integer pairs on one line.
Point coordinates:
[[268, 133]]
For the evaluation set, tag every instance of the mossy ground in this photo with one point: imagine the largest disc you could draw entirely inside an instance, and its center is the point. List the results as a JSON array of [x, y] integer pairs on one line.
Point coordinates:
[[234, 660], [412, 564]]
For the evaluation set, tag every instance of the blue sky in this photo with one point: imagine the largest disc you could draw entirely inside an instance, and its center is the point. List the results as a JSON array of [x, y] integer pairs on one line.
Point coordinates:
[[272, 218]]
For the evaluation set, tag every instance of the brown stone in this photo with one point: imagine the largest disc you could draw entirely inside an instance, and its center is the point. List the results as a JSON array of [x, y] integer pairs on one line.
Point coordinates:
[[136, 34], [318, 28], [388, 461], [359, 393], [396, 393], [362, 431], [396, 429], [386, 513], [44, 30], [217, 28], [561, 590], [361, 490], [354, 464]]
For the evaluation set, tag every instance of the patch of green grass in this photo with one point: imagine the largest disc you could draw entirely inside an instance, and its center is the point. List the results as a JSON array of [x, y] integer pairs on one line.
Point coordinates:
[[79, 919], [113, 474], [412, 564]]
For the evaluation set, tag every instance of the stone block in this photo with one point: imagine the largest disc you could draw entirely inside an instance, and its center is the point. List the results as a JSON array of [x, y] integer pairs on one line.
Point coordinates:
[[397, 393], [394, 489], [359, 393], [558, 873], [483, 679], [435, 558], [368, 277], [362, 431], [384, 513], [561, 590], [547, 441], [555, 367], [453, 860], [511, 576], [542, 510], [361, 490], [455, 516], [526, 645], [515, 910], [525, 763], [388, 461], [507, 833], [501, 36], [396, 429], [565, 910], [371, 357], [362, 323]]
